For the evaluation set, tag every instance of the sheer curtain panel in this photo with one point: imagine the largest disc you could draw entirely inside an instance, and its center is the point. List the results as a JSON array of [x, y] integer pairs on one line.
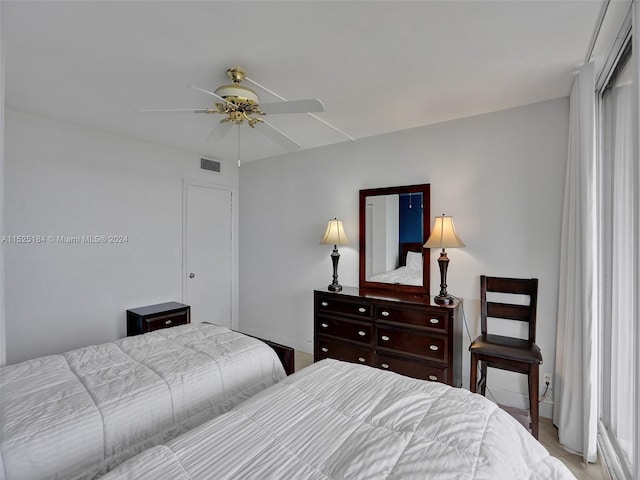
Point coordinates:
[[575, 413]]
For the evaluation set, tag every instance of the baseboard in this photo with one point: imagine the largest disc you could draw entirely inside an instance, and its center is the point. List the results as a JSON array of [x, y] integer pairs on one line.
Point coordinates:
[[518, 400]]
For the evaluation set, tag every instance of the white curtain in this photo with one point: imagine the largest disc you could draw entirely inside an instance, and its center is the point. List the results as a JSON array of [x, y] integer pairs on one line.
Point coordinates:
[[576, 371]]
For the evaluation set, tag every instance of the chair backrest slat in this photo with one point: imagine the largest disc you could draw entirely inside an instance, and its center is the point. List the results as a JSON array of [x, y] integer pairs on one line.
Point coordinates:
[[509, 311]]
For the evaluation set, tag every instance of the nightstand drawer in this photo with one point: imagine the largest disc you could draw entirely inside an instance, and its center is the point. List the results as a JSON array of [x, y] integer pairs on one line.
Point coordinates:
[[432, 347], [422, 317], [355, 331], [166, 321], [411, 368], [339, 351], [341, 307]]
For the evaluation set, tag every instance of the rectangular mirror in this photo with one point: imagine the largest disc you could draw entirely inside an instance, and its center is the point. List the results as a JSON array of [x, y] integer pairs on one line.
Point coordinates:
[[394, 224]]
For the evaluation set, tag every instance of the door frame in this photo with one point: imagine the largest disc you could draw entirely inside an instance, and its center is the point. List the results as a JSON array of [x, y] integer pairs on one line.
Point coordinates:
[[235, 305]]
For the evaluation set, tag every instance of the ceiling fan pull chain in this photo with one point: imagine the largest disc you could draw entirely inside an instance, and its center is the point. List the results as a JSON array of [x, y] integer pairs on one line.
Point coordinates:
[[238, 145]]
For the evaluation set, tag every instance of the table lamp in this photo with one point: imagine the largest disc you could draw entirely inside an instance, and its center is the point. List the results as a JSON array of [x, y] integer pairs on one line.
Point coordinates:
[[335, 235], [443, 236]]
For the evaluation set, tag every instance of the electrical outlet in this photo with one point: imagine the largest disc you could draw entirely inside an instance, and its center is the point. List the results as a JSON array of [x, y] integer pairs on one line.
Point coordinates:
[[547, 379]]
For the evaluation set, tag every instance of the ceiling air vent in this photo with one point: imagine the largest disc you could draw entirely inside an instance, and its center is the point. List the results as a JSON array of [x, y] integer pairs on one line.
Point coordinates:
[[207, 164]]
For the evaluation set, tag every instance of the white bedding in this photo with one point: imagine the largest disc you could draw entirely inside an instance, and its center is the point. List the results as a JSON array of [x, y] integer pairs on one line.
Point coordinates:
[[75, 415], [402, 275], [336, 420]]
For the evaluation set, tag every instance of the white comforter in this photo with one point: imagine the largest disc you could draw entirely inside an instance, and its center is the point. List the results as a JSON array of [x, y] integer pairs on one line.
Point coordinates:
[[74, 415], [336, 420], [402, 275]]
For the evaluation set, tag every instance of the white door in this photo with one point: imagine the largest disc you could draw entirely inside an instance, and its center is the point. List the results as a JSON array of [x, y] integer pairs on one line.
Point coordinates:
[[208, 254]]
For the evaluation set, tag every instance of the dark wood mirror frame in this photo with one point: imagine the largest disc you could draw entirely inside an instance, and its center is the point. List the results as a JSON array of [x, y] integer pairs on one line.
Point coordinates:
[[426, 229]]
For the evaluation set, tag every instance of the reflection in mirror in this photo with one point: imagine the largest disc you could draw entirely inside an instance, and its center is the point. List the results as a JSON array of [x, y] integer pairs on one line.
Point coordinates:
[[394, 238], [394, 224]]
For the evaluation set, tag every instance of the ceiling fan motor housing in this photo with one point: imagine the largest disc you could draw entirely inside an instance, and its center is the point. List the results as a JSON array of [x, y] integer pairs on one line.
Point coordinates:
[[242, 97]]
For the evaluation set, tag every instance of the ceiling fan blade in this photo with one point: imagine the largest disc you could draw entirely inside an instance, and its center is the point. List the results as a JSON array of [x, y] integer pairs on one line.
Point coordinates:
[[215, 95], [179, 110], [275, 135], [293, 106], [219, 131]]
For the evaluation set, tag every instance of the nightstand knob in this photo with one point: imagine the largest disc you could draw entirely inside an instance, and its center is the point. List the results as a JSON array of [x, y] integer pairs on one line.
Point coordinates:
[[324, 325], [385, 365], [433, 377], [362, 333], [434, 348], [362, 309], [384, 338], [324, 304], [325, 349], [168, 322], [384, 313], [361, 359], [434, 320]]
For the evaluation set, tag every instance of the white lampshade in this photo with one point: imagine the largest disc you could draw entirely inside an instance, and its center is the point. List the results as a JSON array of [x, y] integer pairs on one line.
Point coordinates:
[[335, 234], [443, 234]]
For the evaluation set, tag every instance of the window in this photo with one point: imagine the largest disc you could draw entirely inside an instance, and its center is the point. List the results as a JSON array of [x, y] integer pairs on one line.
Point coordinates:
[[618, 216]]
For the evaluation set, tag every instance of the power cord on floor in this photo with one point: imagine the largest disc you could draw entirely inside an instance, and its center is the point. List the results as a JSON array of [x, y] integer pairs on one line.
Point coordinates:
[[466, 326]]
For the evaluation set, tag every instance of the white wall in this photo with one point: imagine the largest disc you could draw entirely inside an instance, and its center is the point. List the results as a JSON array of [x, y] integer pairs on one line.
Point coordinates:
[[68, 181], [500, 175]]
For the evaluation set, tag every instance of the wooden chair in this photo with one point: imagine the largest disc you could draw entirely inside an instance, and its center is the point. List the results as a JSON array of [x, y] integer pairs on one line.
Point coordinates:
[[508, 353]]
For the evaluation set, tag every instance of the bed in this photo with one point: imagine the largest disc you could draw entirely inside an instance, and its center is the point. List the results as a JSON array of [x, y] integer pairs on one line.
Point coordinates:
[[76, 415], [336, 420], [409, 271]]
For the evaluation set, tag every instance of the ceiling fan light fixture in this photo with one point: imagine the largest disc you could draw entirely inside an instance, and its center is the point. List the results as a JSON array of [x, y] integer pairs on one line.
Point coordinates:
[[237, 94]]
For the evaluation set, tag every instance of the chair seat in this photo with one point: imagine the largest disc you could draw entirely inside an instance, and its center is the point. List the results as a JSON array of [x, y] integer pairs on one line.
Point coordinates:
[[516, 349]]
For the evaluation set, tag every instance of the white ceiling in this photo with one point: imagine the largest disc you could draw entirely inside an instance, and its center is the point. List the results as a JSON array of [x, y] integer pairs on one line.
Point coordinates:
[[378, 66]]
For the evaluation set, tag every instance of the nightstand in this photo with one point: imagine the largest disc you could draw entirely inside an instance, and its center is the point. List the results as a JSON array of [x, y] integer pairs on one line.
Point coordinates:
[[154, 317]]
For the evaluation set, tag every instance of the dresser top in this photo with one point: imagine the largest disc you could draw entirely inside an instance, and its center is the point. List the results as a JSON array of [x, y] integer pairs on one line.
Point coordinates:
[[388, 296]]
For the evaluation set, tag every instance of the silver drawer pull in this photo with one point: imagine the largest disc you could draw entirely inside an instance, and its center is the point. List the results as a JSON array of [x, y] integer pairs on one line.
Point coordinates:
[[324, 304], [325, 349], [384, 338], [167, 322], [362, 309], [434, 320], [362, 333], [385, 365], [384, 313], [432, 377], [434, 348], [361, 359], [324, 325]]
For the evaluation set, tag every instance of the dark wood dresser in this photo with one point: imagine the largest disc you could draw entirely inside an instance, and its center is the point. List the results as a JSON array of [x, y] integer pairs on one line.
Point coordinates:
[[407, 334], [154, 317]]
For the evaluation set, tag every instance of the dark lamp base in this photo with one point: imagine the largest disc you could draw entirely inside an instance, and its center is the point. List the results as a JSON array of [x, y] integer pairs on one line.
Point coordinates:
[[335, 287], [444, 299]]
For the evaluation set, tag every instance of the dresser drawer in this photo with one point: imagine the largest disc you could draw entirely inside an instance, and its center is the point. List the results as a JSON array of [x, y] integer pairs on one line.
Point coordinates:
[[411, 368], [166, 321], [422, 317], [349, 353], [355, 331], [342, 307], [433, 347]]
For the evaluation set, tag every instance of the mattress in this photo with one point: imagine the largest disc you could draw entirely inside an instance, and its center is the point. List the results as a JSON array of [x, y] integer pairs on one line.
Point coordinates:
[[336, 420], [76, 415]]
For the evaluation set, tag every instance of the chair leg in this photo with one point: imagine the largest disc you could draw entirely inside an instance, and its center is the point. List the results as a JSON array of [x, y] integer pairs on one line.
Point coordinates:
[[483, 379], [473, 381], [533, 398]]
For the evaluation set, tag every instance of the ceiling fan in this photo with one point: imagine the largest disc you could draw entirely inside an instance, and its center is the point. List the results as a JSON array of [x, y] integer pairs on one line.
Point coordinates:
[[240, 104]]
